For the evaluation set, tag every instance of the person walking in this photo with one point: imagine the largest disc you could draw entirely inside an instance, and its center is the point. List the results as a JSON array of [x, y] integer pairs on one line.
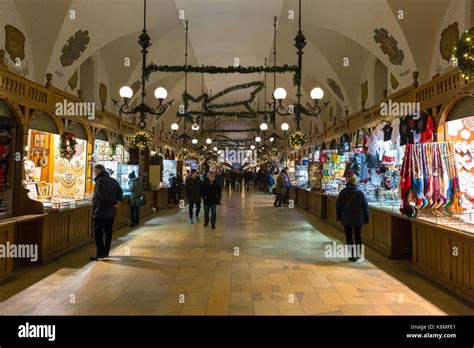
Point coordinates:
[[220, 181], [173, 190], [135, 186], [179, 186], [193, 192], [105, 200], [353, 212], [211, 194], [270, 183], [287, 185], [280, 189], [233, 179], [247, 179]]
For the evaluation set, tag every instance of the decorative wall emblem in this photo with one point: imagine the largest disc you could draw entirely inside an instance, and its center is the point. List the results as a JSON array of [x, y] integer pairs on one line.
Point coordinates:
[[103, 95], [14, 42], [449, 39], [364, 93], [389, 46], [74, 47], [394, 82], [335, 88], [73, 81]]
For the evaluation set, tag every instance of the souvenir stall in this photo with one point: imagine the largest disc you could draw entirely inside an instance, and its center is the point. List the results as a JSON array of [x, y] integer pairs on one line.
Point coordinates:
[[55, 170], [441, 197]]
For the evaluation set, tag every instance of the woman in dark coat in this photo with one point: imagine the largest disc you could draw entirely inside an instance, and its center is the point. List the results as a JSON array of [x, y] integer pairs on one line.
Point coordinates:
[[353, 212]]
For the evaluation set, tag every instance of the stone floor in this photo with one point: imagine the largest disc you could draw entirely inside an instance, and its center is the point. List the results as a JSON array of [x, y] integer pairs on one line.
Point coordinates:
[[260, 260]]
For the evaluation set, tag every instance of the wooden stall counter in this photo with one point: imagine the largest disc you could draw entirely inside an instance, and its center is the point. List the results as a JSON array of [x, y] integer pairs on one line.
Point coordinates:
[[389, 233], [445, 255], [8, 226], [149, 208], [301, 194], [57, 232]]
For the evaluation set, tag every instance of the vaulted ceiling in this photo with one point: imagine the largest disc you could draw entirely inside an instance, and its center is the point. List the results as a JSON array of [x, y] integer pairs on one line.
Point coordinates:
[[222, 30]]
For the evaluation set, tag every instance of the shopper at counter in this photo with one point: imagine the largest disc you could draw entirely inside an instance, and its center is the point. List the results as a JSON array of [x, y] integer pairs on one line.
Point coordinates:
[[136, 190], [280, 189], [107, 196], [353, 212]]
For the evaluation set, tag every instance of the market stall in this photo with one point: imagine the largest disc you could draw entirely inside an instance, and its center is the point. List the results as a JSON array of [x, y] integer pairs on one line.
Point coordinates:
[[55, 177]]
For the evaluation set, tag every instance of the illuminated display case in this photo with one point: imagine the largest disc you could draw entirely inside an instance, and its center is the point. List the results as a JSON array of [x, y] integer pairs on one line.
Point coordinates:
[[123, 171], [170, 168], [301, 176]]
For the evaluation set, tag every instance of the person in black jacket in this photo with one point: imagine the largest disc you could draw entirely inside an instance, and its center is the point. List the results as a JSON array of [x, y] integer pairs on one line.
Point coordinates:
[[193, 192], [211, 194], [105, 200], [353, 212]]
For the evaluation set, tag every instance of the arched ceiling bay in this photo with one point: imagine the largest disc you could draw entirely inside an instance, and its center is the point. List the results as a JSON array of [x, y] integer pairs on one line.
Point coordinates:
[[223, 30]]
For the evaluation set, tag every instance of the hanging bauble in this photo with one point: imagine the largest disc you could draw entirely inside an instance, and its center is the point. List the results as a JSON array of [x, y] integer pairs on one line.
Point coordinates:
[[297, 139], [274, 152], [464, 54], [142, 139], [183, 153]]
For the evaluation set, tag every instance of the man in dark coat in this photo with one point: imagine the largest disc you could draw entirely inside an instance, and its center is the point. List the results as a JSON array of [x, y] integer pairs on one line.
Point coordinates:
[[105, 200], [211, 194], [353, 212], [193, 192], [220, 181]]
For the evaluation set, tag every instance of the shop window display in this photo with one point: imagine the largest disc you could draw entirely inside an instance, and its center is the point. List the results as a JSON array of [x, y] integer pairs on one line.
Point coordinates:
[[170, 168], [7, 127], [58, 183]]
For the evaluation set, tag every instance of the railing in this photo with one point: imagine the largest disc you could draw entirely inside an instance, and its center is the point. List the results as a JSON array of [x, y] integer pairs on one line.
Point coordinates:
[[31, 94], [430, 94]]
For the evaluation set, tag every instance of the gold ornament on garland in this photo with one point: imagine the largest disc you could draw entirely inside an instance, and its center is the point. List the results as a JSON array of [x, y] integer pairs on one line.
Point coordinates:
[[274, 152], [297, 140], [183, 153], [464, 54], [142, 139]]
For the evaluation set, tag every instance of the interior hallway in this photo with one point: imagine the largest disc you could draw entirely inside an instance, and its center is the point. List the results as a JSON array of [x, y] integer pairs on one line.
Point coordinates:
[[281, 269]]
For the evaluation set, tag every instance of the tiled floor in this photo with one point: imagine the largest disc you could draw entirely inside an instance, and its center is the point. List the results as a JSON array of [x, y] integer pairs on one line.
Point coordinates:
[[260, 260]]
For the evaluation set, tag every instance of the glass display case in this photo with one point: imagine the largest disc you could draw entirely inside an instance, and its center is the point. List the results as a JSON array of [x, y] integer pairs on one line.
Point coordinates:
[[170, 168], [315, 175], [333, 167], [301, 176], [123, 171], [460, 221]]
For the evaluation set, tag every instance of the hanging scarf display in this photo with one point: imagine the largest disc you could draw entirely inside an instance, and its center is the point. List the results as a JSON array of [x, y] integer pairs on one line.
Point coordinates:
[[429, 172]]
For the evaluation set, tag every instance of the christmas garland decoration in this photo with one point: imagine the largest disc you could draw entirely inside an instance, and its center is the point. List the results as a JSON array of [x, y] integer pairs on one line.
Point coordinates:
[[67, 146], [297, 140], [220, 70], [183, 153], [464, 53], [142, 139], [211, 109]]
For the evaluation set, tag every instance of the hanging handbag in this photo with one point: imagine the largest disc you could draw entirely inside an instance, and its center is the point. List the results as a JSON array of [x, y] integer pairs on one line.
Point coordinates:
[[141, 200]]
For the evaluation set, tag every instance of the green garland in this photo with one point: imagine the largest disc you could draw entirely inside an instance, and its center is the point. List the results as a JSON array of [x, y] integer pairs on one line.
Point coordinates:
[[297, 139], [142, 139], [209, 111], [218, 70], [464, 53]]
